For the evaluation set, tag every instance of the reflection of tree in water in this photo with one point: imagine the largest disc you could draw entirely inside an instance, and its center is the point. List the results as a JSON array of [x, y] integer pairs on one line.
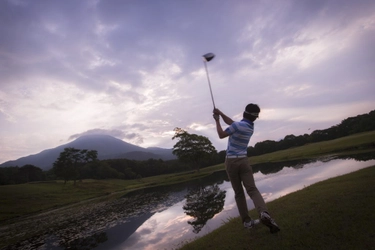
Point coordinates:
[[202, 204], [359, 157], [274, 167]]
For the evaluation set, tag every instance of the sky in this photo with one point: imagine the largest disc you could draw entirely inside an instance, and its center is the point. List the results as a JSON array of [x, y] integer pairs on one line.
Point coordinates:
[[133, 69]]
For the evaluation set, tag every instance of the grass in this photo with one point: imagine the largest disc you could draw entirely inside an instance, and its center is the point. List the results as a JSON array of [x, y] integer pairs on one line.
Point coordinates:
[[360, 141], [332, 214], [18, 200], [31, 198]]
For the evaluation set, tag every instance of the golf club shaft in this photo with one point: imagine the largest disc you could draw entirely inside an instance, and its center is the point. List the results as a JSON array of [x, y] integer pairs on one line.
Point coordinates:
[[209, 84]]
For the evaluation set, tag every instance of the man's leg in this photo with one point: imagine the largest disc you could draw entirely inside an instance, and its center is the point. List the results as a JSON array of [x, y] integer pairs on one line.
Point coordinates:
[[247, 177], [232, 168], [249, 183]]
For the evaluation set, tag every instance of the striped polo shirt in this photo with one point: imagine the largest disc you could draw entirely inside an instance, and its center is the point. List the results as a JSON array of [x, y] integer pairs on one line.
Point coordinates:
[[239, 137]]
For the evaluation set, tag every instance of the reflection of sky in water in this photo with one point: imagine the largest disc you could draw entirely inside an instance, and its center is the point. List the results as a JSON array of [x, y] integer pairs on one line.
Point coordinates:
[[288, 180], [167, 229], [160, 229]]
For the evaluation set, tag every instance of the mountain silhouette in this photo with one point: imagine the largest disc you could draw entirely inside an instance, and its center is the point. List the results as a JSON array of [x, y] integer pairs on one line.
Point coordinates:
[[108, 147]]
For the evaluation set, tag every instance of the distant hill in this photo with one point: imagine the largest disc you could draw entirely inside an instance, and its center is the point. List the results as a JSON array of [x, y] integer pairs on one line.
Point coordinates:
[[108, 147]]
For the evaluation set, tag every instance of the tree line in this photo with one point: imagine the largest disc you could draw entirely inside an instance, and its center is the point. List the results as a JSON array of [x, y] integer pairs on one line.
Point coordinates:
[[193, 152], [18, 175], [95, 169], [349, 126]]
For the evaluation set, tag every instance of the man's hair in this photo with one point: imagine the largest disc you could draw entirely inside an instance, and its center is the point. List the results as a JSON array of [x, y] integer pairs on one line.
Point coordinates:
[[251, 112]]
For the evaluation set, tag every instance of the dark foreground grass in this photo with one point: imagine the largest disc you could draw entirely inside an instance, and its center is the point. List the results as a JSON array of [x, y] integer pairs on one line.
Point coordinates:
[[333, 214]]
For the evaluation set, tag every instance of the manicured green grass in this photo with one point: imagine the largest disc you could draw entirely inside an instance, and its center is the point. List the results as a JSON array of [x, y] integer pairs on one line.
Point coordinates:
[[25, 199], [333, 214]]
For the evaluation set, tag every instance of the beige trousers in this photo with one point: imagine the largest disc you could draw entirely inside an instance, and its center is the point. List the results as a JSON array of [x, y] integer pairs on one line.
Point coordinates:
[[241, 173]]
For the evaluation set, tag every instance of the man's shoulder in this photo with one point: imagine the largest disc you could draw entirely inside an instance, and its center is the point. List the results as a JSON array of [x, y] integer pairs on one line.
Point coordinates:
[[246, 123], [236, 124]]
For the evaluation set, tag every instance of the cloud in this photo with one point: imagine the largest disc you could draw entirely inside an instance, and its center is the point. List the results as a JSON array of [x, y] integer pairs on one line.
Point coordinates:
[[68, 68], [114, 133]]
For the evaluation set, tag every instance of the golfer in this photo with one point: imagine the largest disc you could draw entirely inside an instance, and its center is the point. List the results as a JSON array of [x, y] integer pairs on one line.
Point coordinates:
[[238, 167]]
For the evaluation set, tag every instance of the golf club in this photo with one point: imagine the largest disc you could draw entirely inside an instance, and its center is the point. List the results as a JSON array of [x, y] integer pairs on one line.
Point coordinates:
[[206, 58]]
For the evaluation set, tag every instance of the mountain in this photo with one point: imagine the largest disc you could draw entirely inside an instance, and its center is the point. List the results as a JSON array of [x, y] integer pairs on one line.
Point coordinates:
[[108, 147]]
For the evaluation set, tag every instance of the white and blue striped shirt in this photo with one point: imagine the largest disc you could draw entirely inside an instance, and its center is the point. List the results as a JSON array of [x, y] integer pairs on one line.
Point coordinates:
[[239, 137]]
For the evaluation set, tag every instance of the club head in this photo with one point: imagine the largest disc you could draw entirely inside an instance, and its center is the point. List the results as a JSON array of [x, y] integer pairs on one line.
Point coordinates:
[[208, 57]]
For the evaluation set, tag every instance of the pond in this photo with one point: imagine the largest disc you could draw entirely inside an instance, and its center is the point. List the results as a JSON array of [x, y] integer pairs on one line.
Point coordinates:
[[167, 217]]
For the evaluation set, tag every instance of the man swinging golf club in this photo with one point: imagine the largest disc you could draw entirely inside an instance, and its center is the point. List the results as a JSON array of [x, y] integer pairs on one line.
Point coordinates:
[[237, 165]]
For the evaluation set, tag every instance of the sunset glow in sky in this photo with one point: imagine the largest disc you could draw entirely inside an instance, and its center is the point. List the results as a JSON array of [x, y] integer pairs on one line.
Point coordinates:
[[133, 69]]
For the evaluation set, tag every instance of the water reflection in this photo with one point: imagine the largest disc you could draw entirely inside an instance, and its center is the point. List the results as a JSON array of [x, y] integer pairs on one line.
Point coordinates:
[[274, 167], [163, 217], [359, 157], [202, 204]]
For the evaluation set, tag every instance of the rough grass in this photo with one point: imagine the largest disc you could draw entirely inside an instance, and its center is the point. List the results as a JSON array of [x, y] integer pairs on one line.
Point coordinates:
[[333, 214], [32, 198], [29, 198]]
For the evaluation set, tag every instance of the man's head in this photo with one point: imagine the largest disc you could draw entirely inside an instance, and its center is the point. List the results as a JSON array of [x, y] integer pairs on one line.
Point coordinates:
[[251, 112]]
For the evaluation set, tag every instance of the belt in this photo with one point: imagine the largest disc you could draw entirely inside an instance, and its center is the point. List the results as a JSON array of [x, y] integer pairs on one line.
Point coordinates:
[[236, 156]]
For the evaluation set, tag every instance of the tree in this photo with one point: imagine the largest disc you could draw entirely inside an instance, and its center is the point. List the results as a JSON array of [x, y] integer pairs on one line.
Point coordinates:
[[9, 175], [265, 147], [18, 175], [29, 173], [192, 148], [70, 162]]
